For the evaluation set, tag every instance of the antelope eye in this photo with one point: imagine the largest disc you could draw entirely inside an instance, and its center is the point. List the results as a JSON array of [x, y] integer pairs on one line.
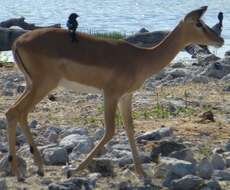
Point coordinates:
[[198, 24]]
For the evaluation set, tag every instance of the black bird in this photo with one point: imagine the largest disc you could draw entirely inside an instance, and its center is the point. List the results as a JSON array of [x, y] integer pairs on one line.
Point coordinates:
[[72, 25]]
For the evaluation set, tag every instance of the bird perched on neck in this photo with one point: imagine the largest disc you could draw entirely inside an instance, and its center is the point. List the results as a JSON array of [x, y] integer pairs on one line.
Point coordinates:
[[218, 26], [72, 25]]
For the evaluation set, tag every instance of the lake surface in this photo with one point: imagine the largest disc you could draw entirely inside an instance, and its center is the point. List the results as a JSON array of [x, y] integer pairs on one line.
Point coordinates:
[[126, 16]]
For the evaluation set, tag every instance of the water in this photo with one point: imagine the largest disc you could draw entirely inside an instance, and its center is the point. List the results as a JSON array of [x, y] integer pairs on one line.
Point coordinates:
[[126, 16]]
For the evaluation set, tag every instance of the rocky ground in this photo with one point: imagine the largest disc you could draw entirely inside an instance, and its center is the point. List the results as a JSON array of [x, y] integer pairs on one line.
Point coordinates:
[[182, 120]]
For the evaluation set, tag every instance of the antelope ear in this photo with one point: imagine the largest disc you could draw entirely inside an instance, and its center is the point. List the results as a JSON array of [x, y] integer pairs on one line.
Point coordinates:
[[195, 14]]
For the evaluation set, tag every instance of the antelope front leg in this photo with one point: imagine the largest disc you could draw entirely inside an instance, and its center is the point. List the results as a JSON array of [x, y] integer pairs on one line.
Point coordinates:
[[125, 107], [110, 104]]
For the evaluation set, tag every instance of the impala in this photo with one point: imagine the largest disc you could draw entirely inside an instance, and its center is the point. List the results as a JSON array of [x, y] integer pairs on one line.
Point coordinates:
[[116, 68]]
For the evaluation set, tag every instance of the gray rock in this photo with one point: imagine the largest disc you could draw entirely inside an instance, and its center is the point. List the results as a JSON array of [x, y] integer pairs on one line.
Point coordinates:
[[3, 123], [84, 147], [218, 162], [70, 141], [216, 70], [227, 162], [21, 88], [207, 59], [55, 156], [33, 124], [3, 147], [221, 175], [205, 168], [121, 147], [156, 134], [3, 185], [6, 168], [99, 134], [188, 182], [71, 131], [200, 79], [178, 65], [101, 165], [227, 146], [226, 89], [176, 73], [227, 53], [75, 183], [53, 137], [226, 78], [165, 148], [184, 154], [126, 160], [172, 166], [212, 185], [142, 30]]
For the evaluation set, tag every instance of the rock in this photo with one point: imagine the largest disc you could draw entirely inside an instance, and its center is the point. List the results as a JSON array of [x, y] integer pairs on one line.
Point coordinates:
[[75, 183], [94, 177], [3, 123], [21, 88], [99, 134], [142, 30], [3, 185], [46, 181], [53, 137], [3, 147], [184, 154], [33, 124], [72, 131], [227, 146], [52, 97], [188, 182], [207, 59], [172, 166], [84, 147], [173, 105], [227, 53], [200, 79], [6, 168], [218, 150], [226, 89], [205, 168], [178, 65], [212, 185], [81, 148], [121, 147], [156, 134], [216, 70], [55, 156], [70, 141], [126, 160], [101, 165], [207, 116], [165, 148], [226, 78], [176, 73], [222, 175], [218, 162], [127, 185], [227, 162]]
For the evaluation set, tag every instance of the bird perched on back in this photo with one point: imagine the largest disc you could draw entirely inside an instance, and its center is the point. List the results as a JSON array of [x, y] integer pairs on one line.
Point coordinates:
[[72, 25]]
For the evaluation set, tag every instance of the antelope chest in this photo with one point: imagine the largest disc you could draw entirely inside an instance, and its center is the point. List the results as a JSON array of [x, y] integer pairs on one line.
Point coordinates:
[[78, 87]]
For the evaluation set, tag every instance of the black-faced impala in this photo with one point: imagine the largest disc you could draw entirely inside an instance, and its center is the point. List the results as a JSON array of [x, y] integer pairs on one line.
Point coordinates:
[[115, 68]]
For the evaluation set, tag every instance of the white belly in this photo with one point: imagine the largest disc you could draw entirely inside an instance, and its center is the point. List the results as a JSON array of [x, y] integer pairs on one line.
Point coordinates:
[[79, 88]]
